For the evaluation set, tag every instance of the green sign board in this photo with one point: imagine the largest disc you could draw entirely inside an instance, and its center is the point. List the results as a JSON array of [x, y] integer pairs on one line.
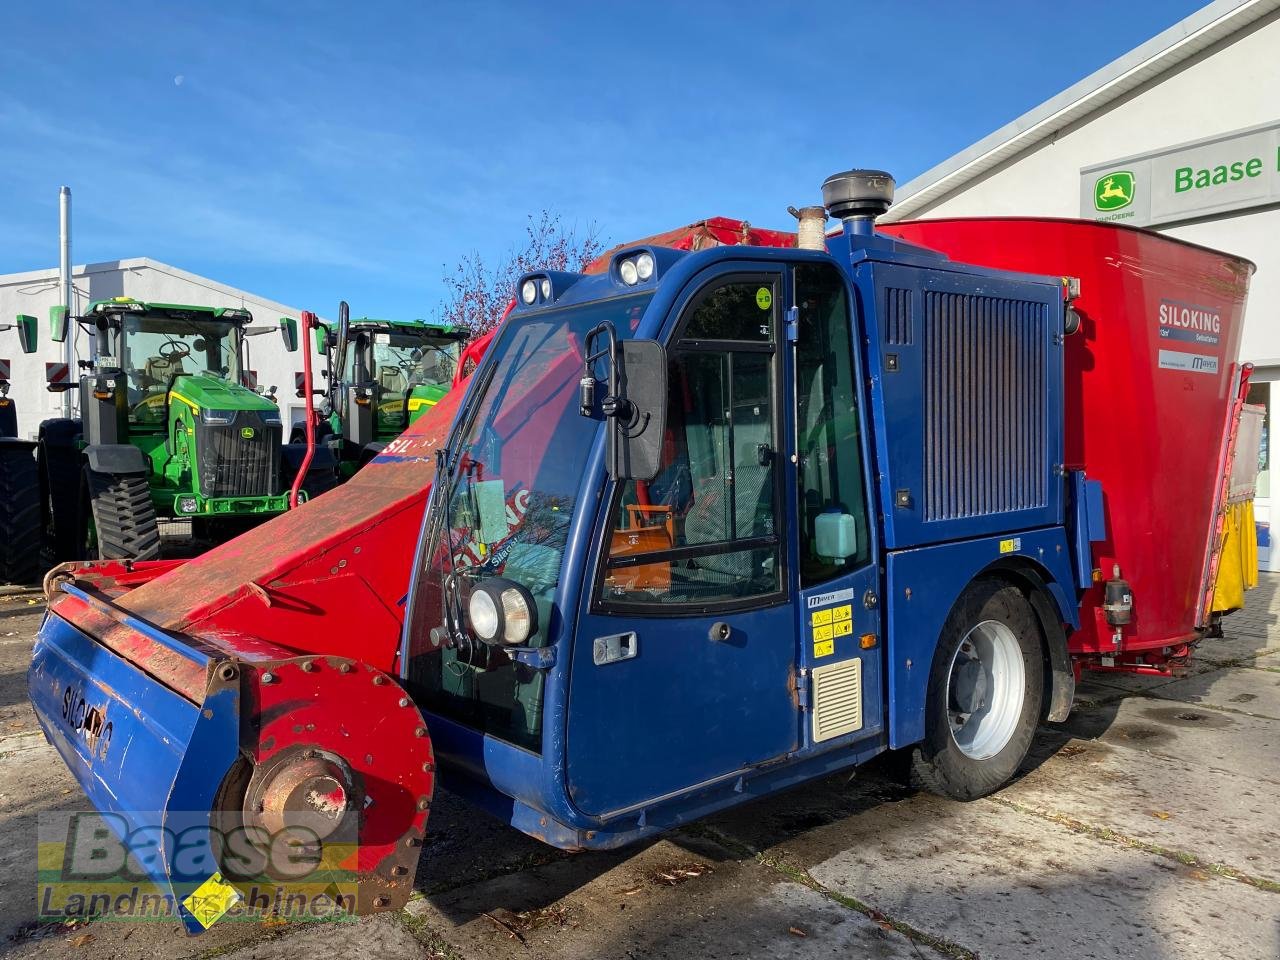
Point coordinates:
[[1234, 171]]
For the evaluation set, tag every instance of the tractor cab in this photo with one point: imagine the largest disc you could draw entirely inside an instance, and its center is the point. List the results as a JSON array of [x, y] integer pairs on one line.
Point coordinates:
[[165, 411], [157, 347], [654, 470], [383, 375]]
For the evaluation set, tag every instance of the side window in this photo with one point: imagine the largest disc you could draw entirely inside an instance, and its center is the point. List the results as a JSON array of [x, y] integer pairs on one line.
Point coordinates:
[[833, 503], [703, 530]]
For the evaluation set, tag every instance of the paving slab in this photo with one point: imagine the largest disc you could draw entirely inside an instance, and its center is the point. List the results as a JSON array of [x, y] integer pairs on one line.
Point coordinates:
[[1009, 885], [1237, 645], [596, 908], [1243, 689], [1211, 739], [1168, 802]]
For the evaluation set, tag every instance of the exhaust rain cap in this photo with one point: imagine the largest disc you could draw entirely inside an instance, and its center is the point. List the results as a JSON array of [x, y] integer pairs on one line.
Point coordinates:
[[858, 195]]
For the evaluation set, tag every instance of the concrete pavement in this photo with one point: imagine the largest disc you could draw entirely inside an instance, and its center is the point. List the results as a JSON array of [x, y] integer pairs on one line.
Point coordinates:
[[1145, 826]]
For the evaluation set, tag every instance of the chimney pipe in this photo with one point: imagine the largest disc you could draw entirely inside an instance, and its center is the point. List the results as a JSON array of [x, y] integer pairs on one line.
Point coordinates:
[[812, 227], [64, 279]]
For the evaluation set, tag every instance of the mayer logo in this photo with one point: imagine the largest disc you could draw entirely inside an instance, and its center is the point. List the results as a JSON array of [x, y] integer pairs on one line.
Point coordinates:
[[1113, 190], [246, 432]]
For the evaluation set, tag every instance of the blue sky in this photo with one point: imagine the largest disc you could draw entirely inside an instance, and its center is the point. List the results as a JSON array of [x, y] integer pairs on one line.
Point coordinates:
[[314, 151]]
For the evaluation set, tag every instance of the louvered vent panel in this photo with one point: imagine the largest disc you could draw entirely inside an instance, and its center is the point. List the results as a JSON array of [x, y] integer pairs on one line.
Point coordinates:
[[984, 439], [837, 699], [897, 314]]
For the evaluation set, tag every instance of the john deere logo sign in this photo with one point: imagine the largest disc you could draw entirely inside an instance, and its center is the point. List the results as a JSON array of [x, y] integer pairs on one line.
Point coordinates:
[[1234, 171], [1113, 191], [246, 432]]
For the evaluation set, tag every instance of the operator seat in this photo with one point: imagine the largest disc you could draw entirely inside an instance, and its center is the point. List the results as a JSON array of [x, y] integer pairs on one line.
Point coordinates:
[[708, 521], [391, 379], [162, 369]]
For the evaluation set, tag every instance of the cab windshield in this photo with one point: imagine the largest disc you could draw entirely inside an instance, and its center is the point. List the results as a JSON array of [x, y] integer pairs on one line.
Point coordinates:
[[517, 466], [154, 351], [402, 361]]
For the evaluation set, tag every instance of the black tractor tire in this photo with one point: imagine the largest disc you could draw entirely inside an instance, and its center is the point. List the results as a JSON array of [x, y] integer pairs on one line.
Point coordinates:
[[322, 474], [21, 526], [124, 518], [59, 464], [938, 763]]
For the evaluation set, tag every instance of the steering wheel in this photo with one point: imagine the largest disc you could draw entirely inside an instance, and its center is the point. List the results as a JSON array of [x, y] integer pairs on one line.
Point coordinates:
[[172, 350]]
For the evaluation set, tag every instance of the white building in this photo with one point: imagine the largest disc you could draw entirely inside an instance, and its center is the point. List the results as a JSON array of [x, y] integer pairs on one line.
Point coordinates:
[[141, 278], [1181, 135]]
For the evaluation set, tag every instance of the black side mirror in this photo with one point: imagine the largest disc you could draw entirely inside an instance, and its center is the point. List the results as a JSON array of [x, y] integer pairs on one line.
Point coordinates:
[[634, 404]]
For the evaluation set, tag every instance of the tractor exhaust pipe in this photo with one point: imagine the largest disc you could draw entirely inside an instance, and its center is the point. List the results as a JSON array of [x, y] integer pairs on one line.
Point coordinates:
[[64, 280], [811, 230]]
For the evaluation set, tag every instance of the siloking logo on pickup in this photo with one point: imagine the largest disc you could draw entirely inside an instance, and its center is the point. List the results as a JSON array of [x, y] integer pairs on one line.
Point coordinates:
[[1187, 326]]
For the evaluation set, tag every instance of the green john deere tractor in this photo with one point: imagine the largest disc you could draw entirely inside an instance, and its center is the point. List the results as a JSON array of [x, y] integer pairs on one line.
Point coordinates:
[[169, 430], [20, 529], [382, 375]]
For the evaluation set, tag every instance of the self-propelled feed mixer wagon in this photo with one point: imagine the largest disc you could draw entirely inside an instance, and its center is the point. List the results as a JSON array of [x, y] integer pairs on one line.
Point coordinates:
[[706, 524]]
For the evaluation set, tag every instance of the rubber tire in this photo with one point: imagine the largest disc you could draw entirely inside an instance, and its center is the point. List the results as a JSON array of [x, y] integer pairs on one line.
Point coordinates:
[[322, 475], [937, 764], [21, 516], [124, 517], [59, 463]]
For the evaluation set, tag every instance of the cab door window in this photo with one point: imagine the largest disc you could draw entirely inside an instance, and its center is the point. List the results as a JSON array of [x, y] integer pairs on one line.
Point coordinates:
[[703, 531], [834, 534]]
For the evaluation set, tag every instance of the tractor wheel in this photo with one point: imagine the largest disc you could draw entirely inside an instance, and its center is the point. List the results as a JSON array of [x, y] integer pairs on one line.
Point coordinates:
[[985, 690], [20, 516], [58, 463], [118, 517]]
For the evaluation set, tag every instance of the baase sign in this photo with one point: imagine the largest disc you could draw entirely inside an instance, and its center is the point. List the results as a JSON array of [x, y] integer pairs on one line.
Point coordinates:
[[1230, 172]]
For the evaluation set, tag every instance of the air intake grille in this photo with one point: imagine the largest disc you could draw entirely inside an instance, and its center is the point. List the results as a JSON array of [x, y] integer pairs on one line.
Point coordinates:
[[897, 316], [985, 450], [240, 459], [837, 699]]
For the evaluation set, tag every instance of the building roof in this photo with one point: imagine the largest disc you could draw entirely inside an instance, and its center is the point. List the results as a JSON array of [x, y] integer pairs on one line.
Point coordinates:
[[1139, 66], [232, 295]]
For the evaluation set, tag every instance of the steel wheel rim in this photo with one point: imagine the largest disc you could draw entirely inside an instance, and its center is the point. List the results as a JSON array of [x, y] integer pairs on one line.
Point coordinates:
[[986, 687]]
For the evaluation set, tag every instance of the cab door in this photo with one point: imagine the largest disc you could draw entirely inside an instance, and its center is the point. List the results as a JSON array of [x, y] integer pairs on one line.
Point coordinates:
[[684, 663], [840, 641]]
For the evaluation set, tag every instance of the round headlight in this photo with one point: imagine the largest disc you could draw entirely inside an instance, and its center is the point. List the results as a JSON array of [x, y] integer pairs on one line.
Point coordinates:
[[502, 611], [483, 614], [627, 271], [644, 266], [545, 286], [528, 291], [517, 616]]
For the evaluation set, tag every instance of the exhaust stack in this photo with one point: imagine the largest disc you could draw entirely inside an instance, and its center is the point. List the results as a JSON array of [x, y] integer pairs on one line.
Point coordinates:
[[64, 281], [858, 197], [812, 227]]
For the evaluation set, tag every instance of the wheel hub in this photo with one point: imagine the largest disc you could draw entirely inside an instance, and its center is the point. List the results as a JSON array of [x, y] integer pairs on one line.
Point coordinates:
[[986, 689]]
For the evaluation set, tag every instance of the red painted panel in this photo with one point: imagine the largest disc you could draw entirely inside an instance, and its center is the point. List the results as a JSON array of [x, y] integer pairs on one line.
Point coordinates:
[[1149, 387]]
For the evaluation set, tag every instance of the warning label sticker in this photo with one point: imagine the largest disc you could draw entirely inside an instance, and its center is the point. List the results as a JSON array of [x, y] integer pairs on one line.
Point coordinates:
[[828, 624]]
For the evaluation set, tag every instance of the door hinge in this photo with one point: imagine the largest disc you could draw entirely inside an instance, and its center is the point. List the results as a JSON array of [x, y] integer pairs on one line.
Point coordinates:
[[802, 688], [792, 323]]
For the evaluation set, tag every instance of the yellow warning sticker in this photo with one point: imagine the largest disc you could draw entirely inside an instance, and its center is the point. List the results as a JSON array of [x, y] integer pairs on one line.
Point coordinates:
[[764, 298], [821, 616], [1012, 545], [842, 613], [825, 632], [824, 648], [844, 628], [209, 901]]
